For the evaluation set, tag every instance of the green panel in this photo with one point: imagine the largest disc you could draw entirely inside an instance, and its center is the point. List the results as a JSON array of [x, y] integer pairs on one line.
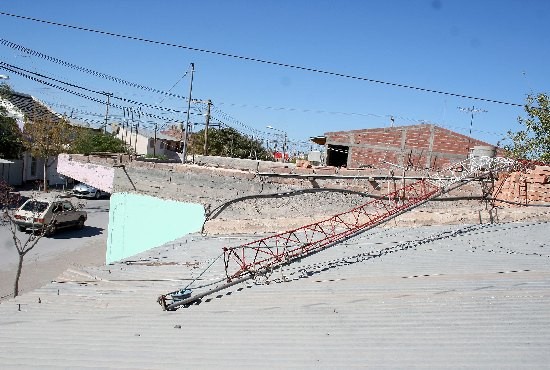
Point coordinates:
[[139, 222]]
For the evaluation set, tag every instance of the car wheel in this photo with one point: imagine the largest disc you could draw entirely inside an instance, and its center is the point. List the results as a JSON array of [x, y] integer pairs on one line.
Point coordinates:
[[51, 230], [22, 228], [97, 195], [80, 224]]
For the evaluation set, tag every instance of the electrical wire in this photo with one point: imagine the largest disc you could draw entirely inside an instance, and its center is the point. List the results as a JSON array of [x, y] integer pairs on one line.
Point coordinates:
[[90, 71], [32, 52], [99, 101], [168, 93], [92, 91], [264, 61]]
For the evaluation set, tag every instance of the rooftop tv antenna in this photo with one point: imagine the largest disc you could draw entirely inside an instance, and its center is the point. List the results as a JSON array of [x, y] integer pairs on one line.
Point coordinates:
[[473, 110]]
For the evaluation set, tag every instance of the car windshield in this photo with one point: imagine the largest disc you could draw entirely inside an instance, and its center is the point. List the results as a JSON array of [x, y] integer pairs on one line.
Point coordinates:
[[35, 206]]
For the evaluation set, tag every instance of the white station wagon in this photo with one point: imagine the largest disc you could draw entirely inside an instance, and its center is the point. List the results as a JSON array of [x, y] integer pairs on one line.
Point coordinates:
[[49, 215]]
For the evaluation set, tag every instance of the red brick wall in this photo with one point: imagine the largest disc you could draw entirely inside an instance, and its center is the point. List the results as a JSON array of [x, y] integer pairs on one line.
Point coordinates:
[[418, 138], [369, 146], [379, 137], [371, 157]]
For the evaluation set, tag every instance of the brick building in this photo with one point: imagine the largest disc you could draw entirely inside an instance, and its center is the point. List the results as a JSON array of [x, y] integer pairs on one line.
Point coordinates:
[[418, 146]]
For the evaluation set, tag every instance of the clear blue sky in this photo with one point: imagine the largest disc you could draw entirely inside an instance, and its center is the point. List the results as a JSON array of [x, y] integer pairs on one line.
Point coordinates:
[[494, 49]]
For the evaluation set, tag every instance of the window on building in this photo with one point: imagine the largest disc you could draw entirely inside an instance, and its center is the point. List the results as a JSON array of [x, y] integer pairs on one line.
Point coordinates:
[[337, 155], [151, 143], [33, 166]]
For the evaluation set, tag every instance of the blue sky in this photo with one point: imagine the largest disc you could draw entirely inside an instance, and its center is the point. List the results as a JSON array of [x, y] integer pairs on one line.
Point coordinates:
[[493, 49]]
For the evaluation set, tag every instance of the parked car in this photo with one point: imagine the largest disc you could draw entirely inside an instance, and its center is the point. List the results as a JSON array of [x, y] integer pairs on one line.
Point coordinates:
[[86, 191], [49, 215]]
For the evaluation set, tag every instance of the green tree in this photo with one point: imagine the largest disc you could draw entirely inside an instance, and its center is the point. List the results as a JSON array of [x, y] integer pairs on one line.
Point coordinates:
[[88, 141], [533, 142], [228, 142], [46, 139], [11, 140]]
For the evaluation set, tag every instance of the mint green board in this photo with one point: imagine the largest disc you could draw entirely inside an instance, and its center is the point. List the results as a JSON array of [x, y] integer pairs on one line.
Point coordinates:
[[139, 222]]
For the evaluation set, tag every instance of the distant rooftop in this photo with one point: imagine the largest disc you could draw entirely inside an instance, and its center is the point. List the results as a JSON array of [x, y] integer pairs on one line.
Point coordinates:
[[33, 108]]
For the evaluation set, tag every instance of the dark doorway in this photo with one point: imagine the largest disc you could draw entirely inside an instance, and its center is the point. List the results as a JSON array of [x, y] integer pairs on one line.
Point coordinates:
[[337, 155]]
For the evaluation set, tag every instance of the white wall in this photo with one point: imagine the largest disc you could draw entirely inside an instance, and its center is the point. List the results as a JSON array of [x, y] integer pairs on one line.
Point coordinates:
[[139, 143]]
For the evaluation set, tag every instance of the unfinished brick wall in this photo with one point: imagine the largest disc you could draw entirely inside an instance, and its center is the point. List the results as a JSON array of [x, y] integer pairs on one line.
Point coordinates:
[[418, 146], [533, 186]]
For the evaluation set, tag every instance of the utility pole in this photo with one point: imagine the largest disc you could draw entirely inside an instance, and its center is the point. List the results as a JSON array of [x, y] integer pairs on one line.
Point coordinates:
[[473, 110], [187, 123], [108, 95], [155, 143], [285, 138], [205, 149], [135, 141]]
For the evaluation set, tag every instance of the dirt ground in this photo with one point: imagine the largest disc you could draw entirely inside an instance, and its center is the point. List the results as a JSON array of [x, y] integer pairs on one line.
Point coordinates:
[[38, 272]]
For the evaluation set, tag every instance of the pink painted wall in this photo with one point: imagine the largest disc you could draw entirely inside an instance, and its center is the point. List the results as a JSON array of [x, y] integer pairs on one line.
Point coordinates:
[[98, 176]]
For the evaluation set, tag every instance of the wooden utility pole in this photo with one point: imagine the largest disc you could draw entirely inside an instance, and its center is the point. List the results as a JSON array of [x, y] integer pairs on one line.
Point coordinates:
[[205, 149], [155, 143], [135, 141], [108, 95]]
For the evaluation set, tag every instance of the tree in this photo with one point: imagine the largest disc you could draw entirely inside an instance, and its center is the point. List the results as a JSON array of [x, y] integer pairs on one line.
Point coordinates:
[[89, 141], [533, 142], [8, 202], [228, 142], [46, 139], [11, 140]]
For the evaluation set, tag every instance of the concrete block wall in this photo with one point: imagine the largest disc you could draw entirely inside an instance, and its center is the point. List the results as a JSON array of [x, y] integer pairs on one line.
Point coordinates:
[[153, 203], [145, 194], [207, 186], [239, 164]]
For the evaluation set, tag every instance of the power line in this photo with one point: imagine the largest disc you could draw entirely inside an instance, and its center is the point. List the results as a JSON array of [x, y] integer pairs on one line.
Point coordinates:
[[92, 72], [27, 74], [168, 93], [264, 61], [96, 100], [91, 90]]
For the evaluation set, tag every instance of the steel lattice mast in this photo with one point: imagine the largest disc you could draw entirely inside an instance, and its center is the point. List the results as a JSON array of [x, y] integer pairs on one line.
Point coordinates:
[[263, 255]]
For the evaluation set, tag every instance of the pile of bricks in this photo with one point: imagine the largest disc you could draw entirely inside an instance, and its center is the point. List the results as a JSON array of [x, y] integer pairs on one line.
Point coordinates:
[[532, 186]]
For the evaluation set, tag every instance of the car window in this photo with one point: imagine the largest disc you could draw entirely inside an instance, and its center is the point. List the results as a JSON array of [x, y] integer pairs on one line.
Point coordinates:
[[35, 206], [67, 206], [57, 208]]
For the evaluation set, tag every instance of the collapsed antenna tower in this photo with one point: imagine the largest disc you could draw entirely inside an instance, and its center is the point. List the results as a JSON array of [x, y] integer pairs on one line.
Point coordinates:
[[262, 256]]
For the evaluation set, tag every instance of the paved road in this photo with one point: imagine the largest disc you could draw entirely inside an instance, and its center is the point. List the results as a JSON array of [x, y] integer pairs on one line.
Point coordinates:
[[51, 256]]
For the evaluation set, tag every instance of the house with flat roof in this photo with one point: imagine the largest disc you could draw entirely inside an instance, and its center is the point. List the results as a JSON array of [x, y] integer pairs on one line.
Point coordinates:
[[152, 143], [28, 168]]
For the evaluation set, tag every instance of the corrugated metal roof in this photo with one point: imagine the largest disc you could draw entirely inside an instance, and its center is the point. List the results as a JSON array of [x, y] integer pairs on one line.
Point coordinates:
[[32, 108], [455, 297]]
